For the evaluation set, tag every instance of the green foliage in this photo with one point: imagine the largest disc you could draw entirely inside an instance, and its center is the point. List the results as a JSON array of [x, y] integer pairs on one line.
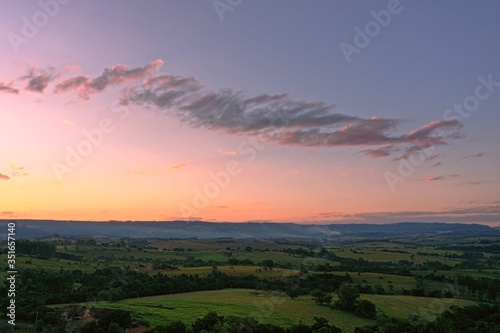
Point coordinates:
[[119, 317], [321, 297], [347, 298], [208, 322], [365, 308], [35, 248]]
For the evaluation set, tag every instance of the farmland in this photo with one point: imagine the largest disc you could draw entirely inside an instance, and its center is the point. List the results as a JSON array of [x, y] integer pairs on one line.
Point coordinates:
[[283, 283]]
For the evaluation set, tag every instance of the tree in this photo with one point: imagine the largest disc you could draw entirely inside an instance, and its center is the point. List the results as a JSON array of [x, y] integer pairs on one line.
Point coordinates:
[[321, 325], [122, 318], [90, 327], [292, 292], [320, 297], [347, 297], [115, 328], [207, 322], [268, 263], [365, 308], [175, 326]]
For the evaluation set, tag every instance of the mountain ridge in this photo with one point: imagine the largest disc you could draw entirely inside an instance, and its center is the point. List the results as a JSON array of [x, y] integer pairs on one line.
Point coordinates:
[[200, 229]]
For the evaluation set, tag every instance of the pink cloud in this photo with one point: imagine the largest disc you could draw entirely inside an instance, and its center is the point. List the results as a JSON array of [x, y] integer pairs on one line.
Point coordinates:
[[180, 164], [110, 77]]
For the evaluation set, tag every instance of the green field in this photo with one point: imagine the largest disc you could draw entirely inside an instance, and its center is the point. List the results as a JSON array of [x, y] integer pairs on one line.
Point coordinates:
[[278, 310], [385, 280], [403, 306], [231, 270]]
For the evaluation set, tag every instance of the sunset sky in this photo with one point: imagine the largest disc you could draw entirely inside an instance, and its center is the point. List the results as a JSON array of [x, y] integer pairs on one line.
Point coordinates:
[[250, 110]]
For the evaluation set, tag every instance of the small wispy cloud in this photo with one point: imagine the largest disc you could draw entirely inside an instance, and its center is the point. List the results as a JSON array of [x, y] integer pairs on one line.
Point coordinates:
[[437, 164], [379, 152], [38, 79], [181, 164], [4, 177], [225, 152], [478, 155], [17, 170], [347, 171], [436, 178], [472, 182], [8, 88]]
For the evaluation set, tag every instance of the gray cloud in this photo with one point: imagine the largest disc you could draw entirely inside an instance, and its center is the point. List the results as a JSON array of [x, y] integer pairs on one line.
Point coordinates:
[[7, 88], [38, 79], [281, 119], [379, 152], [478, 155]]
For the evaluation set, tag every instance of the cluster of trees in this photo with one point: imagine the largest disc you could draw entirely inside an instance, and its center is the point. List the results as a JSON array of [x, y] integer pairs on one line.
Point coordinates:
[[480, 318], [42, 250], [361, 265], [109, 321], [348, 300]]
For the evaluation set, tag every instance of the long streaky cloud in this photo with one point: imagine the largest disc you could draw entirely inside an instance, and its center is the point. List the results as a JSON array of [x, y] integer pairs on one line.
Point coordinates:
[[280, 118], [275, 118]]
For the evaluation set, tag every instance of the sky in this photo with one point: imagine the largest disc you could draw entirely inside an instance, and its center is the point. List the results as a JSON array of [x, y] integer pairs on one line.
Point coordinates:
[[237, 110]]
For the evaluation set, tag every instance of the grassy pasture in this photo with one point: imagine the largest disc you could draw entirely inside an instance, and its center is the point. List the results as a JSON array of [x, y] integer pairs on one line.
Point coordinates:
[[216, 244], [276, 309], [397, 281], [402, 306], [372, 255], [279, 310], [231, 270]]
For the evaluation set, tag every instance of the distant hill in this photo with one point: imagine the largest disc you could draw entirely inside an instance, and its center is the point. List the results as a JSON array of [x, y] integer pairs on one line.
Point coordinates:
[[182, 229]]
